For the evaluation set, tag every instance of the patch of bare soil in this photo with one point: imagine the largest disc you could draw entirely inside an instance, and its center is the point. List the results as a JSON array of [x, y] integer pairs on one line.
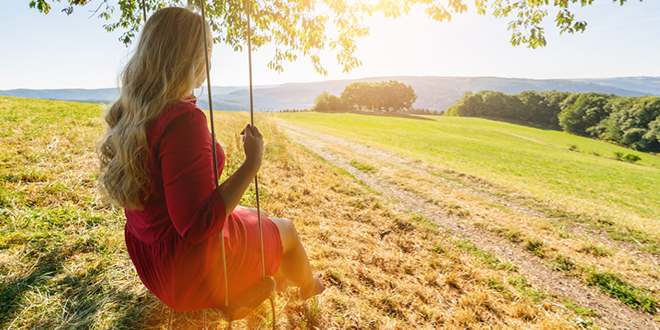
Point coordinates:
[[338, 151]]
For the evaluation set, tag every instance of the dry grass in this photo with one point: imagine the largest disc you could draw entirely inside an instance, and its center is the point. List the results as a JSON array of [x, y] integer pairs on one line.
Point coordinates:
[[522, 158], [64, 263], [560, 243]]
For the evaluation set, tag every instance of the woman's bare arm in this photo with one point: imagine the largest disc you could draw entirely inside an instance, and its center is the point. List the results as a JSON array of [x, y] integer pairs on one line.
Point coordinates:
[[234, 187]]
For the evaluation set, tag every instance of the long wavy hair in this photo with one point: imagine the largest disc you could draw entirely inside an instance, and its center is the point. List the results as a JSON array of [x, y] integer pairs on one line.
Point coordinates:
[[166, 66]]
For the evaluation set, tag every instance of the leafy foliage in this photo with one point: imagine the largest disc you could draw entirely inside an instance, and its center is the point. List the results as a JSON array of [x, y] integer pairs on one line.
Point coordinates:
[[588, 110], [530, 106], [327, 102], [384, 96], [305, 27], [631, 158], [629, 121]]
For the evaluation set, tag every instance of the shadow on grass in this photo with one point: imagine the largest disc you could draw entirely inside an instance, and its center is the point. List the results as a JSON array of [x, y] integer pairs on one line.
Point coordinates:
[[385, 114], [72, 301], [523, 123], [11, 291]]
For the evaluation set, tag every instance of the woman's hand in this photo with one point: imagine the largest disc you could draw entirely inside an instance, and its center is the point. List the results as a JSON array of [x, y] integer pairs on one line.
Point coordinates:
[[253, 145], [234, 187]]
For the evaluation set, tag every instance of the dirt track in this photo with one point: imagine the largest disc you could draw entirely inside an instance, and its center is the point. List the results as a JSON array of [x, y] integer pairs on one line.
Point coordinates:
[[339, 152]]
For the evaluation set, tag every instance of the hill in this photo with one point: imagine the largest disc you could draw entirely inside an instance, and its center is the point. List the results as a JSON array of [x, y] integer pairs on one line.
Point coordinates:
[[565, 200], [89, 95], [434, 93], [537, 160], [650, 85], [468, 254]]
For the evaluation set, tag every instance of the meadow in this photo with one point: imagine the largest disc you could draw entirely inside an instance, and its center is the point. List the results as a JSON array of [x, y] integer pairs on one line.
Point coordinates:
[[64, 265], [569, 172]]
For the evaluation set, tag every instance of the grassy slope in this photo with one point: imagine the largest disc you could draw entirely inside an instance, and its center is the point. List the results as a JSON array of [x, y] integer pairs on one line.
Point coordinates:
[[528, 159], [63, 263]]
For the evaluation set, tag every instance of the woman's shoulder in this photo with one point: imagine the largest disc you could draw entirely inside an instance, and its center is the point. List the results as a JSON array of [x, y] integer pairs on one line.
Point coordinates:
[[180, 108], [184, 110]]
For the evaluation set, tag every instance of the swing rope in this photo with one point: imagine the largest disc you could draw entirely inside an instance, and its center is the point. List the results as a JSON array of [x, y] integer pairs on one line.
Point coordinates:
[[256, 183], [261, 285], [215, 155], [250, 298]]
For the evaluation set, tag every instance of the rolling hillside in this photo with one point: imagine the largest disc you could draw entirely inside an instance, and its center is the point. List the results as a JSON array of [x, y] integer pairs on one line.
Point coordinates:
[[650, 85], [536, 161], [434, 93], [407, 235], [575, 211]]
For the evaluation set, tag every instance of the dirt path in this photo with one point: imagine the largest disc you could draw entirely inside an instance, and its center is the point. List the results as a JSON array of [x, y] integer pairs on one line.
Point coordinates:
[[338, 151]]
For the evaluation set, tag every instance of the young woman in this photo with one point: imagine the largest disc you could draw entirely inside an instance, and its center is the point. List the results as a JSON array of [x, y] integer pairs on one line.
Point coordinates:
[[157, 162]]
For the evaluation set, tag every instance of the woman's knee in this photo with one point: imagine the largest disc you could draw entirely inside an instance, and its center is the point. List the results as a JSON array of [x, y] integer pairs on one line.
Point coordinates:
[[285, 226]]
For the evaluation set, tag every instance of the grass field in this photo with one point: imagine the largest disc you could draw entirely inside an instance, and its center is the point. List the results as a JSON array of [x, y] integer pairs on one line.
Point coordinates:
[[573, 173], [63, 263], [560, 197]]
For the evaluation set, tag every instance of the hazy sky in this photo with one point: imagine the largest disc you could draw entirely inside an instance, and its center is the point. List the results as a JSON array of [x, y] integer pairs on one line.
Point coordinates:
[[58, 51]]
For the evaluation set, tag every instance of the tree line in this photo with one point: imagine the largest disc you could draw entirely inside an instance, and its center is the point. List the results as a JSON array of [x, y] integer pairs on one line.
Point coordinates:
[[629, 121], [384, 96]]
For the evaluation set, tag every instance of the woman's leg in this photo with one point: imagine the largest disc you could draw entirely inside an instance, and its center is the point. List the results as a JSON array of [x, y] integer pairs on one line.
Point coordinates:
[[253, 210], [281, 282], [295, 264]]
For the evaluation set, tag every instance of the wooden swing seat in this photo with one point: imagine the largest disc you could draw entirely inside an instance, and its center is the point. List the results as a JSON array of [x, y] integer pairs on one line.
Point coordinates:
[[248, 300]]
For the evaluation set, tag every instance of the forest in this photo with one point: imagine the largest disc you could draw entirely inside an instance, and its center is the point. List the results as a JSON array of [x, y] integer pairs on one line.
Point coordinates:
[[633, 122]]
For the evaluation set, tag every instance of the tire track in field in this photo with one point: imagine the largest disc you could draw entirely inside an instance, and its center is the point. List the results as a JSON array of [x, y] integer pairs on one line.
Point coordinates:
[[492, 193], [338, 151]]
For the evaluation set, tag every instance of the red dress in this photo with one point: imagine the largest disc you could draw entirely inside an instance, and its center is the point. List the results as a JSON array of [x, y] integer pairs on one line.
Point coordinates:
[[174, 242]]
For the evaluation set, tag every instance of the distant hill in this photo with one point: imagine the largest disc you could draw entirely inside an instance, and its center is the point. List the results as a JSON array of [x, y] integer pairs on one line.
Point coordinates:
[[650, 85], [203, 103], [90, 95], [434, 93]]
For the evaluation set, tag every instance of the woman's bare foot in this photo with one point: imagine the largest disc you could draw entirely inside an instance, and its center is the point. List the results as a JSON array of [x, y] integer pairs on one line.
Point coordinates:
[[317, 288]]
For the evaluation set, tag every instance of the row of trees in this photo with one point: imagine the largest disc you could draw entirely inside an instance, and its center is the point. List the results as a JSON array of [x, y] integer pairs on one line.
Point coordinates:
[[629, 121], [384, 96], [531, 106]]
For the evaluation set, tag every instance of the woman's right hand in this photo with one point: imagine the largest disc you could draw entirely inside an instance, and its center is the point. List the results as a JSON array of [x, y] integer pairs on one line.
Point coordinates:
[[253, 145], [234, 187]]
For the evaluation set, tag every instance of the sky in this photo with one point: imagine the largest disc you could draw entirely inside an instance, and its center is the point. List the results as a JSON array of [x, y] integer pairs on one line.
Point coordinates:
[[58, 51]]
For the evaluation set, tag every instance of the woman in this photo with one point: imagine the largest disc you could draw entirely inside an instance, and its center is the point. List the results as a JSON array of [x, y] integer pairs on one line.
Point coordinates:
[[157, 162]]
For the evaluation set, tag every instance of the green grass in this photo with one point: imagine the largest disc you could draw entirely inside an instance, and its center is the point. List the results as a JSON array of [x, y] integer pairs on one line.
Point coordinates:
[[616, 287], [363, 167], [60, 245], [533, 161], [580, 310], [535, 245], [488, 258], [595, 249], [520, 282], [63, 262]]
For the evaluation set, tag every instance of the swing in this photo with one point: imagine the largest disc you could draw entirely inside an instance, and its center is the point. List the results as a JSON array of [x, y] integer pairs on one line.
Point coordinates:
[[245, 302], [248, 300]]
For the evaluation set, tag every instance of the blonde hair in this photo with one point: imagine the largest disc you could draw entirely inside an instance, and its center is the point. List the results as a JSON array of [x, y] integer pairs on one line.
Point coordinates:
[[167, 63]]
